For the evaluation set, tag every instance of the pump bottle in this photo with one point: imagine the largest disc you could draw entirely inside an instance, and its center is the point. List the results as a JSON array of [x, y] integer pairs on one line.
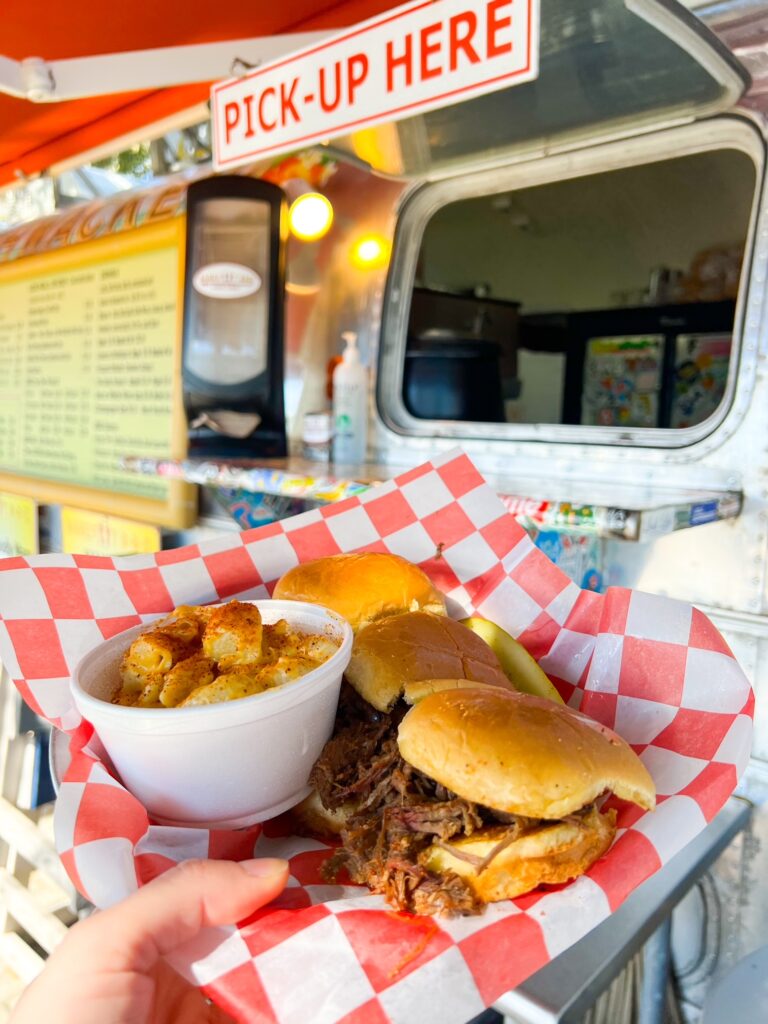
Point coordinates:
[[350, 405]]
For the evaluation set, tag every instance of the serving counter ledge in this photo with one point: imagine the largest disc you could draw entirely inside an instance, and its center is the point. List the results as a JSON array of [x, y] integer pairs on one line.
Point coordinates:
[[566, 988], [629, 512]]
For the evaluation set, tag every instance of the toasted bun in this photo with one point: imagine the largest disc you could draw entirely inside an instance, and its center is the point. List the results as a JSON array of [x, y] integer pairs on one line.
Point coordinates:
[[417, 689], [520, 754], [390, 655], [361, 587], [312, 816], [549, 855]]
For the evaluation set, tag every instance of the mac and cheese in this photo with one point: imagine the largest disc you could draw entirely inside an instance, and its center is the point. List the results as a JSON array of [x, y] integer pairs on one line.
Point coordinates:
[[207, 655]]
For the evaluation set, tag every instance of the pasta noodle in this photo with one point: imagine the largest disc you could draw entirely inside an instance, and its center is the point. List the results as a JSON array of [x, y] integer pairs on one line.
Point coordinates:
[[201, 655], [233, 635]]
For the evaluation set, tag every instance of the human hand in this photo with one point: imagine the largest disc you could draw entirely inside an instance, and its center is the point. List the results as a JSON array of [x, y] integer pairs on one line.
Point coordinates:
[[110, 967]]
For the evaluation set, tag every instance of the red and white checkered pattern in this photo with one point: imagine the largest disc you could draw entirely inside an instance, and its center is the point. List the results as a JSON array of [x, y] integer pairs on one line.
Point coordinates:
[[655, 669]]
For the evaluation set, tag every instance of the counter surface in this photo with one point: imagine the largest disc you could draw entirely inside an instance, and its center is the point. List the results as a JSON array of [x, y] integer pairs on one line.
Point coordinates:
[[566, 988], [639, 512]]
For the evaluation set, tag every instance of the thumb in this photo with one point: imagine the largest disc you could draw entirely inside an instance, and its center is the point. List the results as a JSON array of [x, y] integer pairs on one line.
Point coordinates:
[[173, 908]]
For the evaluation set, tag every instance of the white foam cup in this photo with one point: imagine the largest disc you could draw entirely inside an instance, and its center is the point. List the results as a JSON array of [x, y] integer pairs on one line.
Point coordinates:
[[224, 765]]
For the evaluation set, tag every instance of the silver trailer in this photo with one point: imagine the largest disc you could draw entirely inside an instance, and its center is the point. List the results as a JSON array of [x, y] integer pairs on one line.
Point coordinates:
[[598, 206]]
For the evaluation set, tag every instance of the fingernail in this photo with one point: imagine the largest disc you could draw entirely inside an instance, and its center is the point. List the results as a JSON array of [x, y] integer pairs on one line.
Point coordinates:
[[265, 867]]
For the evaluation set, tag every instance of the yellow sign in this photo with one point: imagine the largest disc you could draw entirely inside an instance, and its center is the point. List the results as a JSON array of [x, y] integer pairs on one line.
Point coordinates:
[[121, 212], [90, 339], [90, 533], [18, 526]]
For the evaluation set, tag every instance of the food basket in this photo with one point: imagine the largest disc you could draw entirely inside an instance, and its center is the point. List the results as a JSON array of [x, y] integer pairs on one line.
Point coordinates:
[[654, 669]]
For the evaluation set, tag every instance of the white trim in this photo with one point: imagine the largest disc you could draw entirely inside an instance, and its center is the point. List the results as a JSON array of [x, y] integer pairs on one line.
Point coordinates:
[[10, 76], [42, 81]]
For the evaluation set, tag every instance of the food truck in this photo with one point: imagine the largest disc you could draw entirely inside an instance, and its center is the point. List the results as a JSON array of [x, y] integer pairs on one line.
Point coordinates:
[[564, 277]]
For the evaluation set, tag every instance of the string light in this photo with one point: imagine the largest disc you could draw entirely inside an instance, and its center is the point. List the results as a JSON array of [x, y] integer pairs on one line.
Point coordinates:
[[310, 216], [371, 252]]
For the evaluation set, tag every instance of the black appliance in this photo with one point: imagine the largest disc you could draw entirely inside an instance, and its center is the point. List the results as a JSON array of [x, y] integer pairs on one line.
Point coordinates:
[[453, 379]]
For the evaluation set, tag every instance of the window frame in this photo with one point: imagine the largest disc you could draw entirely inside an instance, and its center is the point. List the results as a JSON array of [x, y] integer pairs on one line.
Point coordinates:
[[718, 133]]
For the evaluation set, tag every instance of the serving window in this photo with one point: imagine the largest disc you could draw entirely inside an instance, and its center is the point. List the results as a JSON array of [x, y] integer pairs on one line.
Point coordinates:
[[602, 302]]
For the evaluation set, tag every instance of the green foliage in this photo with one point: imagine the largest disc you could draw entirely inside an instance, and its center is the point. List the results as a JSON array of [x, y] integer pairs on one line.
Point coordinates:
[[134, 162]]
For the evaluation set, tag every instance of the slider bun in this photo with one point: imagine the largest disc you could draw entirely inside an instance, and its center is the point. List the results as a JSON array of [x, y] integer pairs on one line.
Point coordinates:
[[312, 816], [417, 689], [549, 855], [361, 587], [520, 754], [390, 655]]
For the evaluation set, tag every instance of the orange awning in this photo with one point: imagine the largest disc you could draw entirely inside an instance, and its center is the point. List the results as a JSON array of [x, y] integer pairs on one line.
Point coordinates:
[[35, 136]]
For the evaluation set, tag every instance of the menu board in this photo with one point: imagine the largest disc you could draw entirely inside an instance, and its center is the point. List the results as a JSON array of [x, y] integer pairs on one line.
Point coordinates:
[[89, 347]]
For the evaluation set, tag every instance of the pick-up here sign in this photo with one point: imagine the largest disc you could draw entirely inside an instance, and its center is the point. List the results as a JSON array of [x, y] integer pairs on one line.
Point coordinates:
[[423, 55]]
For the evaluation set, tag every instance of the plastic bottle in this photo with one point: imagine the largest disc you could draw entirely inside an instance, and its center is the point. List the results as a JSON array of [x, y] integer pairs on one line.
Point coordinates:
[[350, 405]]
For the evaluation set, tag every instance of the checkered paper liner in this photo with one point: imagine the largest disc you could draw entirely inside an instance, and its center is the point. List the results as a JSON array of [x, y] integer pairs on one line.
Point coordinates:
[[654, 669]]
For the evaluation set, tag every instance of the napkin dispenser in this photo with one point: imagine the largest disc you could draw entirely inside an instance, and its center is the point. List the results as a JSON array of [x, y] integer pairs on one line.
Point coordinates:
[[232, 351]]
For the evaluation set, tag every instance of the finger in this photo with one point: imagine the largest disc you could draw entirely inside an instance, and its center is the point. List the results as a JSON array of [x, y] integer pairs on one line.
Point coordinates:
[[172, 909]]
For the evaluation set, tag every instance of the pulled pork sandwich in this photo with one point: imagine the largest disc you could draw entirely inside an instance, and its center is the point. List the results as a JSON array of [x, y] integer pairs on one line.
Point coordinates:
[[475, 794], [361, 587], [396, 661]]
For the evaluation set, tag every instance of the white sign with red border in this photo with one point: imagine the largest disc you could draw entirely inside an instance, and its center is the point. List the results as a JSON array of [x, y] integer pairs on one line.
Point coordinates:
[[423, 55]]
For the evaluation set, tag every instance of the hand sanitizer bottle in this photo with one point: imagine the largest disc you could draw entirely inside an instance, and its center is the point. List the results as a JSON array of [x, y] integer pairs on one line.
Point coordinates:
[[350, 405]]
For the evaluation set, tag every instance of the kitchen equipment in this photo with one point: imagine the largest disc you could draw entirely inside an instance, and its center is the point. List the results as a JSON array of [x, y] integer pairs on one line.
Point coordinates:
[[447, 379], [232, 361]]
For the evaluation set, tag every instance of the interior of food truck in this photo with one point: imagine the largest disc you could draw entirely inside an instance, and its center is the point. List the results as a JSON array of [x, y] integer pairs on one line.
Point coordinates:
[[553, 294], [537, 284], [605, 299]]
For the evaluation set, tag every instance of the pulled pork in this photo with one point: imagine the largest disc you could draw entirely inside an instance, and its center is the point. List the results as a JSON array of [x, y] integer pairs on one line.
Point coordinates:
[[399, 813]]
